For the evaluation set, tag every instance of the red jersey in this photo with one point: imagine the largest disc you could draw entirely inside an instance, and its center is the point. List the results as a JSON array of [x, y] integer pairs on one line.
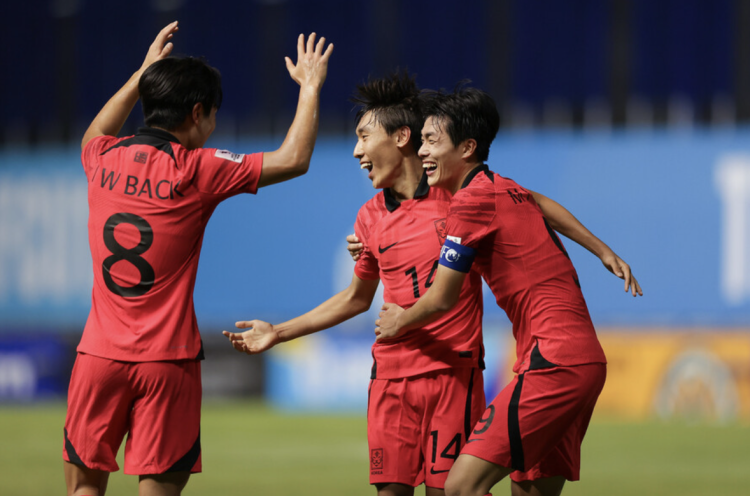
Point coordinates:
[[402, 241], [149, 202], [526, 267]]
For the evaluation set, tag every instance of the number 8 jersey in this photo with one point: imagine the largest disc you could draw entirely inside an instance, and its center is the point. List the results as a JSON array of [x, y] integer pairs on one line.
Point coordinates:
[[149, 202]]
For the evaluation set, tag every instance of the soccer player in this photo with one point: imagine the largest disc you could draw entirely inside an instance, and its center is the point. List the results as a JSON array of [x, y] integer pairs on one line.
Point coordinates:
[[150, 196], [533, 429], [426, 390]]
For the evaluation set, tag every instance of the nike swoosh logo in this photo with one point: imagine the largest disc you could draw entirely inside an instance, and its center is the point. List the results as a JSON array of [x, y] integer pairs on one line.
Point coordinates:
[[472, 440], [433, 471], [383, 250]]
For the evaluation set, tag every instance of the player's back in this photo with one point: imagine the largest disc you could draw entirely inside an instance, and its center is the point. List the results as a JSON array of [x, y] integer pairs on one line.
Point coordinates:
[[149, 202], [527, 268]]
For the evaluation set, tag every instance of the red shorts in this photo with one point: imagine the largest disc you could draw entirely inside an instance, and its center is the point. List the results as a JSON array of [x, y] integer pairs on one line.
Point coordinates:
[[416, 426], [537, 423], [157, 403]]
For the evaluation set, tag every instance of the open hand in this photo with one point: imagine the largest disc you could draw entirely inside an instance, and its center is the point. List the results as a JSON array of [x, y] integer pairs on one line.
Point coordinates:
[[618, 267], [161, 47], [259, 337], [312, 62]]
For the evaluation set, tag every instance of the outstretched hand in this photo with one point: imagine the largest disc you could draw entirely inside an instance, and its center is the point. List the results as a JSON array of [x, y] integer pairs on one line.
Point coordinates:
[[161, 47], [259, 337], [354, 246], [312, 62], [618, 267], [386, 327]]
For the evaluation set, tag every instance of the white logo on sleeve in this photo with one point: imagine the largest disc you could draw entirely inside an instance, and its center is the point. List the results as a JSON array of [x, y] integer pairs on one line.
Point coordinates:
[[227, 155], [454, 239], [452, 256], [449, 254]]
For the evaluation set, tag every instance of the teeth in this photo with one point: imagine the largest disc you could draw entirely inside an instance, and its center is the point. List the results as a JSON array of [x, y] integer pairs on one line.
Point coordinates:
[[429, 166], [367, 165]]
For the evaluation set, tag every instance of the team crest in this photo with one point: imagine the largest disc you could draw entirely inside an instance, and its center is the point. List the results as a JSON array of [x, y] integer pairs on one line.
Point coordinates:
[[140, 157], [376, 459], [440, 228]]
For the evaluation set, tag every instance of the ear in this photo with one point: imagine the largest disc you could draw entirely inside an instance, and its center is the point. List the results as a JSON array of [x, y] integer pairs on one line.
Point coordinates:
[[403, 134], [197, 114], [468, 148]]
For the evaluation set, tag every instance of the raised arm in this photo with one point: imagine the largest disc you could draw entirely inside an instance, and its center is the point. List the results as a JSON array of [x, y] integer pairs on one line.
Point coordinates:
[[441, 297], [112, 116], [262, 336], [562, 221], [292, 159]]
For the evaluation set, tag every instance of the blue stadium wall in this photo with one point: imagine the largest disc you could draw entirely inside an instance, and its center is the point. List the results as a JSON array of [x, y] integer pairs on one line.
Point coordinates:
[[674, 204]]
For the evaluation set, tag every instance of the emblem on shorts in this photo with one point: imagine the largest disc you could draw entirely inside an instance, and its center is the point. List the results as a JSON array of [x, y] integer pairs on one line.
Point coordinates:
[[376, 459], [440, 228], [140, 157]]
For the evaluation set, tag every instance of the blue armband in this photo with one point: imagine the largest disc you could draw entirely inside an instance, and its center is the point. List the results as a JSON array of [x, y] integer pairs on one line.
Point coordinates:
[[456, 256]]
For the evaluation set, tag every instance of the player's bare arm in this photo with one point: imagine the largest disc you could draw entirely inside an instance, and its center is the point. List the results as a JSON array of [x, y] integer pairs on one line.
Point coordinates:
[[112, 116], [261, 336], [562, 221], [441, 297], [292, 159]]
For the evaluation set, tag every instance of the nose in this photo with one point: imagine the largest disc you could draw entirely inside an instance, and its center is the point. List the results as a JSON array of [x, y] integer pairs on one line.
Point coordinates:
[[422, 152], [358, 153]]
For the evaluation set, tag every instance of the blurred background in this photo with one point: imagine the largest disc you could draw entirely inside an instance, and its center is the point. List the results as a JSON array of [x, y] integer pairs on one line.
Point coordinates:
[[631, 113]]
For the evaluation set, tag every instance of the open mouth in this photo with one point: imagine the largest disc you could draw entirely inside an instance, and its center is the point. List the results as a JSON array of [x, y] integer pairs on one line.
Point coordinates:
[[429, 167], [366, 165]]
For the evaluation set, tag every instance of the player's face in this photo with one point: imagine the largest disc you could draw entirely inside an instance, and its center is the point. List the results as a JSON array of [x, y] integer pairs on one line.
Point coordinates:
[[377, 152], [440, 158]]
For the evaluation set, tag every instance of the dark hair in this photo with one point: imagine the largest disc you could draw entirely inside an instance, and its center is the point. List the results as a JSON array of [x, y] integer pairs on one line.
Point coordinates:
[[170, 88], [394, 103], [467, 113]]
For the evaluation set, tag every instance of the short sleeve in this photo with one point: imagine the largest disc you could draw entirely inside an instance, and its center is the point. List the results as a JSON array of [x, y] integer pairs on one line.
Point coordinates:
[[470, 215], [223, 173], [93, 150], [367, 267]]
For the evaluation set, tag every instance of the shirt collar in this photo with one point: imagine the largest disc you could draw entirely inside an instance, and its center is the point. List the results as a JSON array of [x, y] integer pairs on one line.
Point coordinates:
[[475, 171], [157, 133], [391, 203]]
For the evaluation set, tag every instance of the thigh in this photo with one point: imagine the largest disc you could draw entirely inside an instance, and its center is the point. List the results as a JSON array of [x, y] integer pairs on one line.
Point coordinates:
[[165, 425], [82, 480], [551, 486], [473, 475], [393, 427], [170, 484], [99, 399], [457, 402]]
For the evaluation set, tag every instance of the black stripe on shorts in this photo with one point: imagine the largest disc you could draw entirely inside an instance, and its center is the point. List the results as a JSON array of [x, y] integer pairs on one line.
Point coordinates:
[[514, 428]]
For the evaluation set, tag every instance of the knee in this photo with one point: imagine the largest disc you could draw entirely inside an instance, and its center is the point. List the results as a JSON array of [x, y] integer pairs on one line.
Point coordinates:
[[454, 486]]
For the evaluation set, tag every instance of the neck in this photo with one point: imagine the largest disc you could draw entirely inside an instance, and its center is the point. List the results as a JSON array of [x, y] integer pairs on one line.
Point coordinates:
[[411, 173], [466, 170]]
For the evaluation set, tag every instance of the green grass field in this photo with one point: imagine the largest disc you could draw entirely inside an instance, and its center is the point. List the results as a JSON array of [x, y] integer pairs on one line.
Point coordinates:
[[249, 449]]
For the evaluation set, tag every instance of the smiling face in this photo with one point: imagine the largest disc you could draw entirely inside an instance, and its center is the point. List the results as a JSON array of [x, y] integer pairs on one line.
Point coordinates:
[[441, 159], [378, 152]]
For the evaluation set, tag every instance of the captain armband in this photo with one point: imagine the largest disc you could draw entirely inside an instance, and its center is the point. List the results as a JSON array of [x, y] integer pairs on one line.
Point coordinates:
[[456, 256]]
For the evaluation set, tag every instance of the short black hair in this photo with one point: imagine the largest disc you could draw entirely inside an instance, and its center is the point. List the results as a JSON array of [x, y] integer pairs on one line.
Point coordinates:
[[394, 103], [170, 88], [467, 113]]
